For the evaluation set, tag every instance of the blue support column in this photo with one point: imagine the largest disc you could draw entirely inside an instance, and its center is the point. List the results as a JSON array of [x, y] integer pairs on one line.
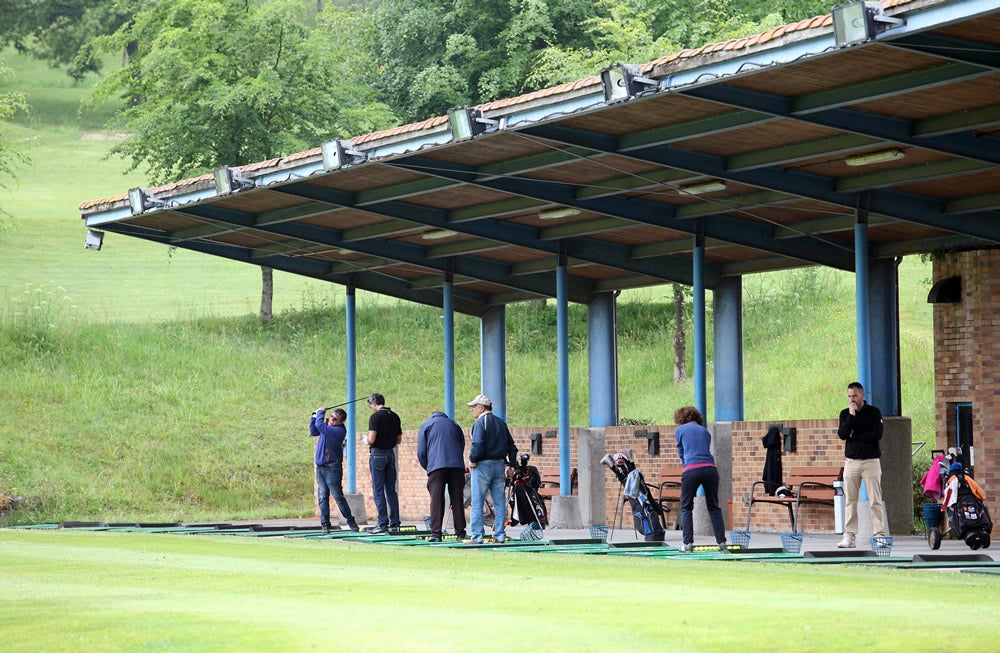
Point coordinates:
[[861, 303], [449, 348], [728, 330], [562, 337], [493, 358], [352, 408], [602, 351], [700, 391], [883, 300]]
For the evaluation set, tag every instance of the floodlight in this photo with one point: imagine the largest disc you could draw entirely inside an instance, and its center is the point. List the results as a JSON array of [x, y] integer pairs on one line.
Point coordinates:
[[623, 81], [141, 200], [860, 21], [468, 122], [555, 214], [230, 180], [871, 158], [94, 240], [338, 153], [703, 188], [438, 234]]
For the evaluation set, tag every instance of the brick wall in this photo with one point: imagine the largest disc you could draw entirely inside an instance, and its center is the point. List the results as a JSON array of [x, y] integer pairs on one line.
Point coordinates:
[[967, 356], [817, 445]]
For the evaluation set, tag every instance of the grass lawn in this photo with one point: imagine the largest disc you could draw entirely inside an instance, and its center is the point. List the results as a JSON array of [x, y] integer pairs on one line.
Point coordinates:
[[72, 591]]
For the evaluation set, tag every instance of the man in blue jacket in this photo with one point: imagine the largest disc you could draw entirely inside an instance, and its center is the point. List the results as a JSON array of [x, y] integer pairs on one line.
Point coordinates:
[[441, 452], [491, 444], [330, 433]]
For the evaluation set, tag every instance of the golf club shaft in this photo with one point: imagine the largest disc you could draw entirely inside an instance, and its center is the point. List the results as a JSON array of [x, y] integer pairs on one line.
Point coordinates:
[[346, 403]]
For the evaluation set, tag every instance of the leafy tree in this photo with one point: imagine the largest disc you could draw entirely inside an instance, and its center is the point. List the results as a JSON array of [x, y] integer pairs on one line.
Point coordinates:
[[223, 82], [427, 56], [212, 82], [10, 104], [60, 31]]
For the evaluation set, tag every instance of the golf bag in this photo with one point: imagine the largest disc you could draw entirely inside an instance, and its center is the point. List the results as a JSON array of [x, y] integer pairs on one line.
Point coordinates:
[[524, 504], [969, 517], [647, 513]]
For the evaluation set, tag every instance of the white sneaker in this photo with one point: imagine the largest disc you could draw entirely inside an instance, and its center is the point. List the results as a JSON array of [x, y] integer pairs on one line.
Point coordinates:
[[846, 543]]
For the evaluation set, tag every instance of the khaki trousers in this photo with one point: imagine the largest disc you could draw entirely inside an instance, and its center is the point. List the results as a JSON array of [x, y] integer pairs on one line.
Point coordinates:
[[869, 471]]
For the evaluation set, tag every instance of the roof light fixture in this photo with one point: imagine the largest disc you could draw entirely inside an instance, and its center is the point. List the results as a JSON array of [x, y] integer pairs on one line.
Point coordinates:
[[703, 188], [339, 153], [94, 240], [468, 122], [623, 81], [438, 234], [141, 200], [230, 180], [860, 21], [871, 158], [555, 214]]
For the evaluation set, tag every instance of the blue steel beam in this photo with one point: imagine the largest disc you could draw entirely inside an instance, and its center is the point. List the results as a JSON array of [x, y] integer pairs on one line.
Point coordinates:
[[719, 226], [810, 249], [562, 345], [469, 303], [352, 389], [479, 268], [602, 356], [449, 348], [586, 249], [895, 204]]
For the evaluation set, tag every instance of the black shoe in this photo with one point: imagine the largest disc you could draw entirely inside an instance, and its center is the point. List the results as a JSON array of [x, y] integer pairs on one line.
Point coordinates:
[[353, 525], [325, 529], [378, 530], [434, 538]]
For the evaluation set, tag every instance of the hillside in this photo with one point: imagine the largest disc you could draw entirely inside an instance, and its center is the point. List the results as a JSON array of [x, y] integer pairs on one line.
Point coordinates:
[[139, 384]]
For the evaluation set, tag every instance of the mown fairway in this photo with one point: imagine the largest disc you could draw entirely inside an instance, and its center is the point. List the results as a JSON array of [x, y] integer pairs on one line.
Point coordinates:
[[69, 591]]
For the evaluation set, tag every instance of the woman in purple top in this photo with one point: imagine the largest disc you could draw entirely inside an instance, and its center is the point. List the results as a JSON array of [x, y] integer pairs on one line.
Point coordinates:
[[694, 444]]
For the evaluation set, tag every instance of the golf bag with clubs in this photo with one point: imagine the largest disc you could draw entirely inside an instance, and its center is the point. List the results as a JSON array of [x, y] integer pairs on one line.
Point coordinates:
[[647, 513], [524, 504]]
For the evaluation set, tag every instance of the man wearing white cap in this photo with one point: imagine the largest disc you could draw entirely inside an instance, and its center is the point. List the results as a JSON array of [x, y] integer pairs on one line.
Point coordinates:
[[491, 444]]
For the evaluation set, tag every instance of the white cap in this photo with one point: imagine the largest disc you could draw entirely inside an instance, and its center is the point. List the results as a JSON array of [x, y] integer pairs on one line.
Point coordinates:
[[481, 400]]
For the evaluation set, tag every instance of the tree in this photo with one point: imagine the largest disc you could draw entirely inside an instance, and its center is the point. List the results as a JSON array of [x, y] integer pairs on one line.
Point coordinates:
[[222, 82], [680, 339], [60, 31], [10, 104]]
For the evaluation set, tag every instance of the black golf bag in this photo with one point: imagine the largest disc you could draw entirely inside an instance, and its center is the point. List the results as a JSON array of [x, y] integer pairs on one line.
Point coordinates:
[[524, 504], [647, 513], [969, 517]]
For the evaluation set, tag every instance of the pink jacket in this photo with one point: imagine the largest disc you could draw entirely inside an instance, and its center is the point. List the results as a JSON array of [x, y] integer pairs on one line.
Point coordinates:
[[932, 479]]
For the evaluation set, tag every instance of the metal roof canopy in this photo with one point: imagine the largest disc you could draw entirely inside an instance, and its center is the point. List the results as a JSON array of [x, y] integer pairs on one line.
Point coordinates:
[[774, 118]]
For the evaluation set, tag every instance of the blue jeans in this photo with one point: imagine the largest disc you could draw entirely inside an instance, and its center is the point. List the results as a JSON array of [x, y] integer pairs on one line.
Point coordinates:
[[328, 480], [382, 464], [488, 476]]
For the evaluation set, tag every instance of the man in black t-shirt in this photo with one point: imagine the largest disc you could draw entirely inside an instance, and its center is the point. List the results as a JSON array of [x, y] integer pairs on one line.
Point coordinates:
[[861, 430], [384, 433]]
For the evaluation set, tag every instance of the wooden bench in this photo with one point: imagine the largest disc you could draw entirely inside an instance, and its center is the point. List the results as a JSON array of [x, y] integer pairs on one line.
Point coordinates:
[[807, 484], [668, 485], [551, 482]]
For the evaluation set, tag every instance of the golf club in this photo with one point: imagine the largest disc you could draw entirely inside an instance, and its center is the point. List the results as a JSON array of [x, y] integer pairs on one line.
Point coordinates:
[[346, 403]]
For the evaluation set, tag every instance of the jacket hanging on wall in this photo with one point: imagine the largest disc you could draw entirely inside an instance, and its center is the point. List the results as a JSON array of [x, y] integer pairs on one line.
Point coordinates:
[[772, 463]]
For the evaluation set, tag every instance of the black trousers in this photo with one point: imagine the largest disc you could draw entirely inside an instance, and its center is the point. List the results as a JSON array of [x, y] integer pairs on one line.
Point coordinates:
[[452, 478]]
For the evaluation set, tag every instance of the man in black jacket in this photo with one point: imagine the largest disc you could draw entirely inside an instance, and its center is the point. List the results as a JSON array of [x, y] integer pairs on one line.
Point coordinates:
[[861, 430]]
